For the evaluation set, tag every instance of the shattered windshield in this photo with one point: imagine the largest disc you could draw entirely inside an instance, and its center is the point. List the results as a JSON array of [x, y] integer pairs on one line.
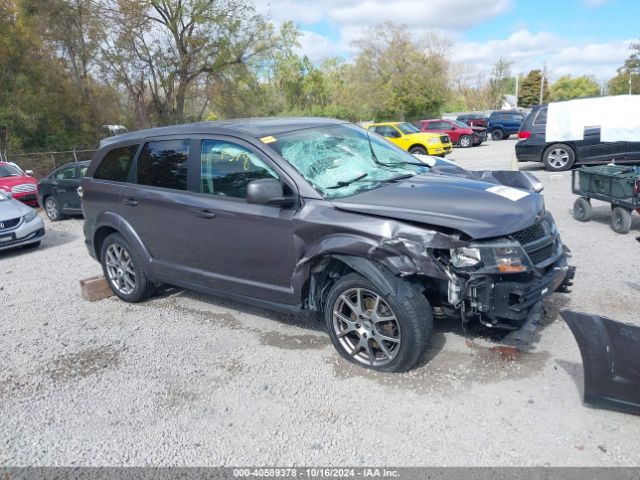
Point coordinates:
[[407, 128], [340, 160]]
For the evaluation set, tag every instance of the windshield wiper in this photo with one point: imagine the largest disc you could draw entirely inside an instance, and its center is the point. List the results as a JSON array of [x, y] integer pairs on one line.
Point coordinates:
[[375, 158], [344, 183]]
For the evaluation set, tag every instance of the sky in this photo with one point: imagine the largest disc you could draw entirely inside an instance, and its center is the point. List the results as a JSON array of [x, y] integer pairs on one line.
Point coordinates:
[[578, 37]]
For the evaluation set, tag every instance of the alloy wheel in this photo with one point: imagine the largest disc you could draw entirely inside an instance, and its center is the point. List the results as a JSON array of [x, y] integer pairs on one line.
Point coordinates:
[[366, 327], [558, 157], [120, 269], [51, 208]]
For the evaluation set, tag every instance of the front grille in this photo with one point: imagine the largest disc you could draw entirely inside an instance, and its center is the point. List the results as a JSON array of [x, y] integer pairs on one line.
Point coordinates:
[[25, 187], [9, 224], [444, 138], [539, 256], [530, 234]]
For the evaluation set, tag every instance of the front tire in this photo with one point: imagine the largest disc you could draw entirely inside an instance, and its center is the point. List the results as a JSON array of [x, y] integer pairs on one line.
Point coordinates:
[[465, 141], [418, 150], [620, 220], [497, 134], [387, 333], [558, 157], [53, 210], [122, 270], [582, 210]]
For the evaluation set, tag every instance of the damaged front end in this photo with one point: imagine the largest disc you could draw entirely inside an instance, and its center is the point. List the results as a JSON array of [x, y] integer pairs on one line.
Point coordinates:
[[498, 281]]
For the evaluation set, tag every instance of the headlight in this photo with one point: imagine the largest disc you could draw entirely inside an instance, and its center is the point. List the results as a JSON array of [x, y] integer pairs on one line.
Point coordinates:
[[433, 141], [465, 257], [500, 257], [30, 216], [509, 259]]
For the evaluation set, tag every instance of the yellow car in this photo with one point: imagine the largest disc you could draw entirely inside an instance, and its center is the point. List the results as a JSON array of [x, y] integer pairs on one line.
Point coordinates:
[[411, 139]]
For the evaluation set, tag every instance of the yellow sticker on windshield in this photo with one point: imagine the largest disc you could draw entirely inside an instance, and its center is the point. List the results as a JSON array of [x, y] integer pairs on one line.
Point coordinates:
[[268, 139]]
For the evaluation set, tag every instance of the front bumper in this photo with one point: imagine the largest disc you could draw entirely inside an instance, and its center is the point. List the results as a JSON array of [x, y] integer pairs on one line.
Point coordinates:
[[506, 303], [439, 150], [28, 198], [23, 234]]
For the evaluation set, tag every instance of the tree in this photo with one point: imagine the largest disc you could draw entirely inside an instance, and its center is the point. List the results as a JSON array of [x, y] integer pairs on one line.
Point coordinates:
[[39, 104], [393, 78], [568, 87], [165, 52], [628, 77], [529, 94], [501, 83]]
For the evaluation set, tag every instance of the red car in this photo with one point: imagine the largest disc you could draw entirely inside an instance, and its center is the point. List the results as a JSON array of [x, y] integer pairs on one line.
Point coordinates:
[[19, 184], [461, 134]]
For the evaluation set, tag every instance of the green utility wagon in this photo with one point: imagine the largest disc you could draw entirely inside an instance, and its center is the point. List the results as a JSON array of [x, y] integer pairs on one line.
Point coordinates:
[[614, 184]]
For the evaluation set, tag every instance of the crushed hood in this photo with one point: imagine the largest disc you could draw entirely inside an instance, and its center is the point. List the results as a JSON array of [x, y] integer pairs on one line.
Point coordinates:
[[476, 208]]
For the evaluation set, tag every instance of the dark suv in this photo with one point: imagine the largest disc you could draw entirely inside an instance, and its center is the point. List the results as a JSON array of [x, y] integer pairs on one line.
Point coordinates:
[[316, 214], [504, 123], [474, 119], [558, 156]]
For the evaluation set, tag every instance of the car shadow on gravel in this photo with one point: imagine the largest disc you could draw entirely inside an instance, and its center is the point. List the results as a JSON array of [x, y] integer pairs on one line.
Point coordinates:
[[52, 239]]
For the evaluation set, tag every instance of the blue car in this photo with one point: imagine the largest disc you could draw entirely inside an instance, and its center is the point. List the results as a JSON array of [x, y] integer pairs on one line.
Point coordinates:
[[504, 123]]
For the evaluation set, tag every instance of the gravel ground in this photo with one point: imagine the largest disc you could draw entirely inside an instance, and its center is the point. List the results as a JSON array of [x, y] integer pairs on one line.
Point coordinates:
[[189, 379]]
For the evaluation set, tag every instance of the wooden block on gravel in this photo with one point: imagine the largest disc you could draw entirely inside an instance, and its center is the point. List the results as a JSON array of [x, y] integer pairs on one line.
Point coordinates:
[[95, 288]]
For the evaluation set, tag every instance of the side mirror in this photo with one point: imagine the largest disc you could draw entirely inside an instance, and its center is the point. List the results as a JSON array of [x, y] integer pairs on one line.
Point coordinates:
[[29, 172], [267, 191], [453, 127]]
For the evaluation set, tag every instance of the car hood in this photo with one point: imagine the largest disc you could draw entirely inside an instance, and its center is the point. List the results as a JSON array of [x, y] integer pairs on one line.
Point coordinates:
[[478, 129], [425, 136], [476, 208], [13, 181], [10, 208]]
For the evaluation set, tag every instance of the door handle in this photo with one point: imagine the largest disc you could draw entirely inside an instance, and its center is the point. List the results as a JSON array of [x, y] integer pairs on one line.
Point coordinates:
[[203, 212], [132, 202]]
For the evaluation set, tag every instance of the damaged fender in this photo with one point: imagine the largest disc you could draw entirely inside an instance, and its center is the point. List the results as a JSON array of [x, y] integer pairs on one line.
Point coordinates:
[[610, 353], [403, 253]]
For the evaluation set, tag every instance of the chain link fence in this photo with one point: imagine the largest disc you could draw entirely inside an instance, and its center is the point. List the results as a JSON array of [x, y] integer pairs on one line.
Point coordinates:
[[44, 162]]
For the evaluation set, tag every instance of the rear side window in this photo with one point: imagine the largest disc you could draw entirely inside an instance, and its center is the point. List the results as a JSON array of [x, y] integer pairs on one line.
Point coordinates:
[[164, 164], [115, 164], [541, 117]]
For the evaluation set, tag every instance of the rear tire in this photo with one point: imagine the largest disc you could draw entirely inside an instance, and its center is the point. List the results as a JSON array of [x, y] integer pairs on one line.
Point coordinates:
[[418, 150], [558, 157], [620, 220], [497, 134], [354, 314], [123, 271], [582, 210]]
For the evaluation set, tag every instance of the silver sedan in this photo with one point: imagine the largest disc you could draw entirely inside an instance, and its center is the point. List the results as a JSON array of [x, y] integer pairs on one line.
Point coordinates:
[[20, 225]]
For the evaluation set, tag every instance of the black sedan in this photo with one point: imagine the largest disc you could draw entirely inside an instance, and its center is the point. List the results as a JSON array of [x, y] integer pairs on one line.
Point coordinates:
[[58, 191]]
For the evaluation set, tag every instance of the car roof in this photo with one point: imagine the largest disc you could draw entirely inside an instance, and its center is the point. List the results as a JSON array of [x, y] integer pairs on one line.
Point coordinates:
[[254, 127], [436, 120]]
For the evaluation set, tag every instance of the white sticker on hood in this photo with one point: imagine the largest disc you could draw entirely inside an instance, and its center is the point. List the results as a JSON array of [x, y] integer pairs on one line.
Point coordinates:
[[512, 194]]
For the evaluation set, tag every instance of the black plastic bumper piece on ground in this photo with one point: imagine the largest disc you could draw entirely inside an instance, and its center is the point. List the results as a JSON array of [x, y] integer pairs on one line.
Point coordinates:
[[611, 360]]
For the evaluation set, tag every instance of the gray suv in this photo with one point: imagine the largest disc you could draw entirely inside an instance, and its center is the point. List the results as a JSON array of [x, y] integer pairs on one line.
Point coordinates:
[[315, 214]]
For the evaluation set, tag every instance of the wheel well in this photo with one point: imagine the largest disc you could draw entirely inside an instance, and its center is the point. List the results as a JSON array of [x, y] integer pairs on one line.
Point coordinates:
[[98, 238], [418, 145], [323, 273]]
